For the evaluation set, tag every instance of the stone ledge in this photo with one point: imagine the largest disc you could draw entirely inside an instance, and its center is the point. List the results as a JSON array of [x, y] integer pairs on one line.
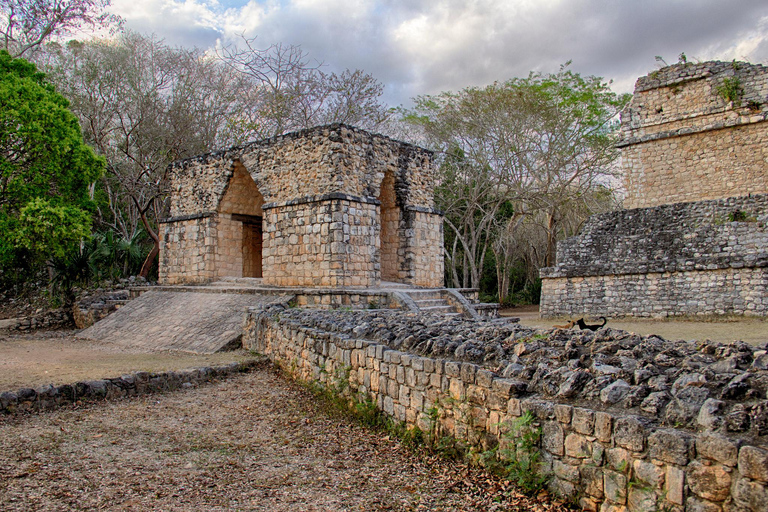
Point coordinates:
[[680, 132], [319, 198], [46, 398]]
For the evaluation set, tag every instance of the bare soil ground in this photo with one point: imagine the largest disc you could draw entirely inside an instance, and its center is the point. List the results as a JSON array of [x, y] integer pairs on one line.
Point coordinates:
[[57, 357], [750, 330], [253, 442]]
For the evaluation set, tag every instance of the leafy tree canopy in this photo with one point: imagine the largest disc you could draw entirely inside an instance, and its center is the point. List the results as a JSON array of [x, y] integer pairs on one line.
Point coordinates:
[[527, 150], [45, 170]]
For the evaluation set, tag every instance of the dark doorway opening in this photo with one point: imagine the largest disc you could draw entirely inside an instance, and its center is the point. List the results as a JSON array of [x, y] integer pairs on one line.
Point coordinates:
[[252, 244]]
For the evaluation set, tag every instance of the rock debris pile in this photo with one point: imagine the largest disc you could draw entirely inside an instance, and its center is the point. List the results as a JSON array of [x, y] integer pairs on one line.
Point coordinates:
[[693, 384]]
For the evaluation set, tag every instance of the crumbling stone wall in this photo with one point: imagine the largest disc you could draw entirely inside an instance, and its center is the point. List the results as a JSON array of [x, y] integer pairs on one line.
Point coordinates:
[[319, 193], [701, 258], [628, 422], [682, 140]]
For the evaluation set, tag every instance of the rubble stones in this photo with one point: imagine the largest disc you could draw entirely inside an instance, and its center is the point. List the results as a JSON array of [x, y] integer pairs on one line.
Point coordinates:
[[533, 360]]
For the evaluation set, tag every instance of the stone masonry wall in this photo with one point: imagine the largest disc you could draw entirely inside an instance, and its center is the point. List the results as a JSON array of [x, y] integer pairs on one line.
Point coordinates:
[[702, 258], [187, 250], [304, 164], [727, 291], [683, 141], [423, 260], [321, 243], [599, 456]]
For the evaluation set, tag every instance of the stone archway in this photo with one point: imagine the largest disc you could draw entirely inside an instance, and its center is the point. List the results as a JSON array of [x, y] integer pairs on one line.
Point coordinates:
[[239, 239]]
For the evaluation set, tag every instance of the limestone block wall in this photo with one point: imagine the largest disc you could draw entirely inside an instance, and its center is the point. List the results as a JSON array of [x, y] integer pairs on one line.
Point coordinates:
[[726, 291], [242, 195], [188, 249], [331, 242], [423, 261], [701, 258], [301, 165], [681, 140], [228, 259], [604, 460]]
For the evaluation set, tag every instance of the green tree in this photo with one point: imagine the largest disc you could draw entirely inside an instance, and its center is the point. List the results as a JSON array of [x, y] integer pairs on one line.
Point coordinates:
[[524, 148], [46, 171]]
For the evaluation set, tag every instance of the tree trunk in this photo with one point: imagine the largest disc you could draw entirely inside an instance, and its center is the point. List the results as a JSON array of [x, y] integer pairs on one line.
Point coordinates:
[[551, 241], [147, 265]]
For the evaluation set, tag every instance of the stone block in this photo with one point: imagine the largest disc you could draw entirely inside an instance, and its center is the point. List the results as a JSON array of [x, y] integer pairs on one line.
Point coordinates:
[[629, 433], [577, 446], [670, 446], [753, 463], [712, 483], [603, 423], [615, 487], [552, 438], [718, 448], [563, 413], [749, 496], [642, 500], [583, 421], [648, 473], [675, 485]]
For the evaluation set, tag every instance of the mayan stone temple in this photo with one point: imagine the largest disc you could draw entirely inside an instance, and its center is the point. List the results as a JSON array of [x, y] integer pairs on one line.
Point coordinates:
[[331, 206], [693, 239]]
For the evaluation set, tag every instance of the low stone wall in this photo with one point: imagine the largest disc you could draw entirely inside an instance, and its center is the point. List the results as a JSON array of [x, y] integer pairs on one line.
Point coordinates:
[[659, 294], [605, 458], [50, 397], [58, 318]]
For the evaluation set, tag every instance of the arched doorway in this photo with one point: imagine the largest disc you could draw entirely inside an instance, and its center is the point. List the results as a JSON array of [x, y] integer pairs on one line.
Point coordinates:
[[240, 236]]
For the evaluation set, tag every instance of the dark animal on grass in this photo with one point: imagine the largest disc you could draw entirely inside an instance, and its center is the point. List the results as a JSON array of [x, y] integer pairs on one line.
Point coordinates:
[[591, 327]]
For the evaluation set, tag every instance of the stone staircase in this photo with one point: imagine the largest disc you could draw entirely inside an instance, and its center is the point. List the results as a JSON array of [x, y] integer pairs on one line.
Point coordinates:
[[432, 301]]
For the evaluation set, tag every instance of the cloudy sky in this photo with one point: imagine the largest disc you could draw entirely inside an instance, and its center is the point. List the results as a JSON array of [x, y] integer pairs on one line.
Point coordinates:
[[427, 46]]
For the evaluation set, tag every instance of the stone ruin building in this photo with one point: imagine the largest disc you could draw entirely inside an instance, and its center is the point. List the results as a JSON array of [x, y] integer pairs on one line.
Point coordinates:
[[332, 206], [693, 239]]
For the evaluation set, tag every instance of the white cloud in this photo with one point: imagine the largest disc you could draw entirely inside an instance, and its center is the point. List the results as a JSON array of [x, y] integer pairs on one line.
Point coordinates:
[[425, 46]]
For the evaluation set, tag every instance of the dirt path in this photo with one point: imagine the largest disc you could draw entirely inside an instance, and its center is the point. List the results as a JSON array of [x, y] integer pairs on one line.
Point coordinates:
[[56, 357], [750, 330], [254, 442]]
